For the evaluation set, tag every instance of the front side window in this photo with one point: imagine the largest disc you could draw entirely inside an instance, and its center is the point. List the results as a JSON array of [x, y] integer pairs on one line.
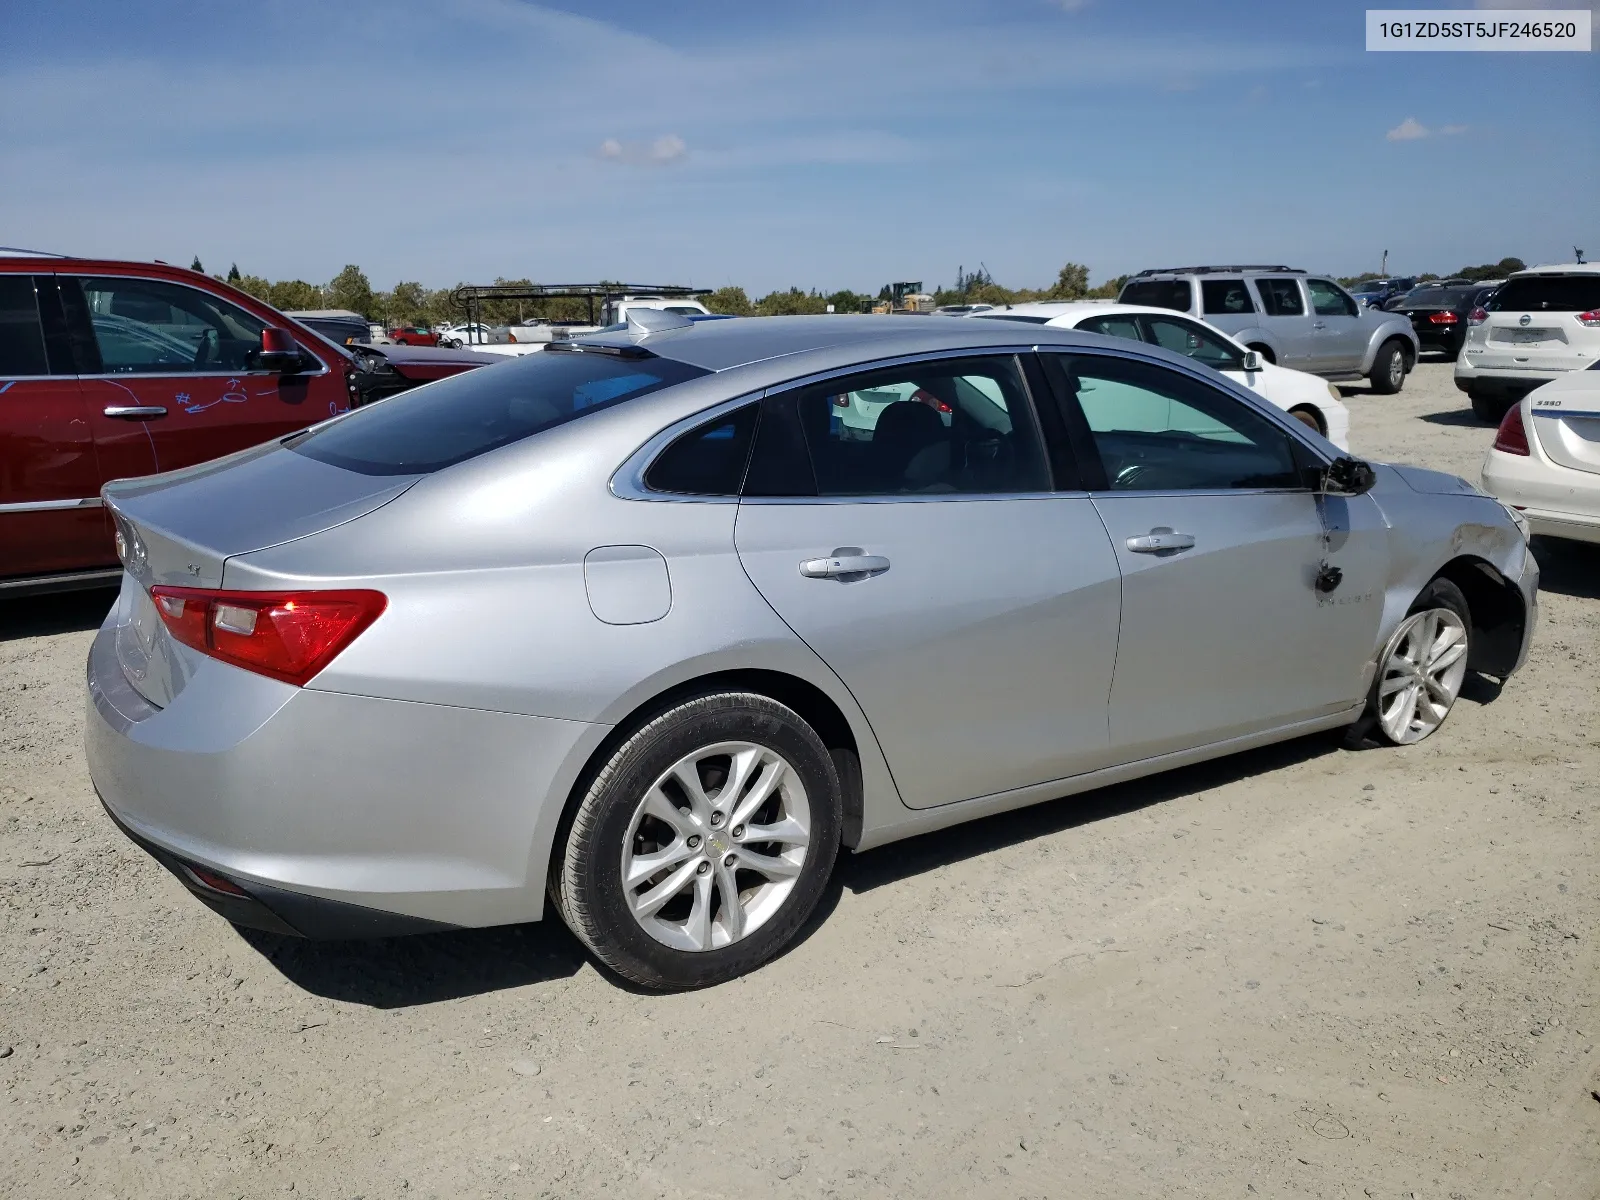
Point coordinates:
[[1225, 297], [1328, 301], [1157, 293], [147, 326], [454, 419], [708, 461], [957, 426], [1194, 341], [1159, 430], [1280, 297], [21, 334]]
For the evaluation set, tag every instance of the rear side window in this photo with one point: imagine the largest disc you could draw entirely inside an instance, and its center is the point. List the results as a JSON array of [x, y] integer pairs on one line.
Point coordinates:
[[1280, 297], [21, 335], [1225, 297], [448, 422], [1548, 293], [1158, 293], [708, 461]]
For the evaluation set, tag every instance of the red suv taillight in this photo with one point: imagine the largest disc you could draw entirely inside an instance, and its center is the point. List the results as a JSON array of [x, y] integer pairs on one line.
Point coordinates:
[[1443, 318], [1477, 316], [1590, 318], [1512, 436], [285, 635]]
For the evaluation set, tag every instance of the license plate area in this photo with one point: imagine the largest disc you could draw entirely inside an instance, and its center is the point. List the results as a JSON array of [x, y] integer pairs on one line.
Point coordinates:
[[1530, 336]]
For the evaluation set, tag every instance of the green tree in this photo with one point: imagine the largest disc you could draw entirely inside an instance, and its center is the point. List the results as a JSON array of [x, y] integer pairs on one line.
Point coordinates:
[[233, 273], [255, 286], [294, 294], [1072, 283], [793, 302], [195, 265], [350, 289], [1109, 290], [846, 301], [730, 300], [408, 302]]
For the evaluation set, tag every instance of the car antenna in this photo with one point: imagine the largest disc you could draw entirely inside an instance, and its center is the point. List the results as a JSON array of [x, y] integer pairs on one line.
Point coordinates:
[[1578, 254]]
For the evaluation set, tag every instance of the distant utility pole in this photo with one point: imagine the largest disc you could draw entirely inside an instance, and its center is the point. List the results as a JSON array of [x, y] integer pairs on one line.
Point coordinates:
[[1384, 269]]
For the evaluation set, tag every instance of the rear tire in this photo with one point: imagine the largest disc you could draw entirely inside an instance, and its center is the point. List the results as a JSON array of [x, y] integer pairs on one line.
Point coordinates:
[[1424, 665], [1388, 374], [722, 898], [1491, 410]]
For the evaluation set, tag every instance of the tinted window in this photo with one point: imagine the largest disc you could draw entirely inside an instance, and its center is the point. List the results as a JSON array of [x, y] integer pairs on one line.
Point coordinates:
[[1157, 293], [1548, 293], [145, 326], [1438, 297], [21, 336], [1329, 301], [1225, 297], [708, 461], [466, 415], [1280, 297], [951, 427], [1194, 341], [1159, 430], [1115, 326]]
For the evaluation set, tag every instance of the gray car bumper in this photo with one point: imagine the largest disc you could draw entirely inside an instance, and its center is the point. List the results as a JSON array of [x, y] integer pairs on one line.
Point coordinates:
[[297, 797]]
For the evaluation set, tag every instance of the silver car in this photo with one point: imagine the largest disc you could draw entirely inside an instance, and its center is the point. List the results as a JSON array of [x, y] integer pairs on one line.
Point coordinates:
[[650, 624]]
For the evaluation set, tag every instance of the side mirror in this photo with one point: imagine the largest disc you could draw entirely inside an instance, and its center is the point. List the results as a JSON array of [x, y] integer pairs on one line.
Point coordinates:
[[1253, 360], [279, 351], [1348, 477]]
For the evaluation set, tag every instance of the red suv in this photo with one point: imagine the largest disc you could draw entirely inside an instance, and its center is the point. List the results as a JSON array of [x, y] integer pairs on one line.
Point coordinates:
[[110, 369]]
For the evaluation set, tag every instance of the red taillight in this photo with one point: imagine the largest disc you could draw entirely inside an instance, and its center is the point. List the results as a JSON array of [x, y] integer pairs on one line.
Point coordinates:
[[1590, 318], [285, 635], [1443, 318], [932, 401], [1477, 316], [1512, 436]]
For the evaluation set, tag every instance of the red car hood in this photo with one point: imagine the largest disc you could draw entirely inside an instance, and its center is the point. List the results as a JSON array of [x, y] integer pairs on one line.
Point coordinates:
[[431, 362]]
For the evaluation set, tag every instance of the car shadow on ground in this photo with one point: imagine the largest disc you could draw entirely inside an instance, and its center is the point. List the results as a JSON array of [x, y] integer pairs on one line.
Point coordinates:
[[1568, 568], [56, 612], [426, 968], [1459, 417]]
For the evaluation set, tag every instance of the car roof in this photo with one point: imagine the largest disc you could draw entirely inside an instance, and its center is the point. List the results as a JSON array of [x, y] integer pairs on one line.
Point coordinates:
[[1057, 309], [723, 345], [1559, 269], [1240, 269]]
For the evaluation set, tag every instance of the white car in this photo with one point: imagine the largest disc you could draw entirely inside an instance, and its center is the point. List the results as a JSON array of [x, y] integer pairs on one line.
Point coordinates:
[[1545, 462], [1542, 324], [1309, 398], [468, 333]]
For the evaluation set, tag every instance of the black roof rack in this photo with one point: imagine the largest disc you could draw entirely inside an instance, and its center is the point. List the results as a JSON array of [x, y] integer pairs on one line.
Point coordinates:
[[469, 295], [1222, 270]]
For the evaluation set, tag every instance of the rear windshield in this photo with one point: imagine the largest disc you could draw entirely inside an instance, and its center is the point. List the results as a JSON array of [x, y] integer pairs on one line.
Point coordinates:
[[1439, 297], [1548, 293], [455, 419], [1157, 293]]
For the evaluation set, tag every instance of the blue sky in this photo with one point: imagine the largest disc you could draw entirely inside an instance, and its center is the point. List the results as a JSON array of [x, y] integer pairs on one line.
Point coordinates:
[[824, 144]]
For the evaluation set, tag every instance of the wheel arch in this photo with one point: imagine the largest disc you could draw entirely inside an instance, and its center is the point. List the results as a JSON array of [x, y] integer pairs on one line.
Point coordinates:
[[813, 705], [1498, 613]]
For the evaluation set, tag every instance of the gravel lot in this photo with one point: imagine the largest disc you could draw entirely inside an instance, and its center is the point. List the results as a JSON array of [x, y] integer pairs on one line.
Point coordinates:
[[1303, 971]]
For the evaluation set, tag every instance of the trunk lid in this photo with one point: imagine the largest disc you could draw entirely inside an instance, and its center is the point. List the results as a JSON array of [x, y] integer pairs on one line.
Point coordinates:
[[1566, 420], [181, 528]]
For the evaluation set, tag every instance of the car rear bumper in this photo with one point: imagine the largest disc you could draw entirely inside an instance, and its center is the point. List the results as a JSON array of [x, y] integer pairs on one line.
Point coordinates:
[[1557, 501], [331, 814]]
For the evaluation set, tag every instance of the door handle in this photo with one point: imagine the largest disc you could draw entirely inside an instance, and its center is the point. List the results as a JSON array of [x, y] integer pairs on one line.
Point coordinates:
[[848, 564], [1319, 325], [1161, 541], [135, 411]]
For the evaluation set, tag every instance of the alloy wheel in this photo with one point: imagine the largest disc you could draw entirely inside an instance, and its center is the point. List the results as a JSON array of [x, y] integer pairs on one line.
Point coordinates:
[[1422, 675], [715, 846], [1397, 370]]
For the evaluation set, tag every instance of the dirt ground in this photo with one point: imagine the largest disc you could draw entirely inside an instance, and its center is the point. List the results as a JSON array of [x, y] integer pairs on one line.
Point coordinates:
[[1304, 971]]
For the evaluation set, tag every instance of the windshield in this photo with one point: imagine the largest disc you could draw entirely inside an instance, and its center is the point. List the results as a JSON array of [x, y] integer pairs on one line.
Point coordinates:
[[448, 422]]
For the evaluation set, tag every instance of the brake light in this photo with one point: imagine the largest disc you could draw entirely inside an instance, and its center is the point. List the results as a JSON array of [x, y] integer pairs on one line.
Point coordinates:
[[1590, 318], [1477, 316], [932, 401], [1443, 318], [1512, 436], [289, 636]]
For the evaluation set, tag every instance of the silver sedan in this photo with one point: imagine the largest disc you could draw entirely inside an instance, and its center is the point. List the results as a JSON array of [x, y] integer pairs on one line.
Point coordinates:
[[654, 622]]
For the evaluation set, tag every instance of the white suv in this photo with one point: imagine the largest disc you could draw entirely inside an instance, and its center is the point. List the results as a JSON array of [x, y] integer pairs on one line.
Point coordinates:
[[1543, 323]]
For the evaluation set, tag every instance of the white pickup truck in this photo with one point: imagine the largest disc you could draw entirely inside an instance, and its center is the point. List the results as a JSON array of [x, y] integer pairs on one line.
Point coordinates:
[[533, 336]]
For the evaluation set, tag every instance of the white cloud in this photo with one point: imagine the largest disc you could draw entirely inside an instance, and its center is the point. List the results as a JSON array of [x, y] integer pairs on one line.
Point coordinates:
[[1408, 130], [667, 148]]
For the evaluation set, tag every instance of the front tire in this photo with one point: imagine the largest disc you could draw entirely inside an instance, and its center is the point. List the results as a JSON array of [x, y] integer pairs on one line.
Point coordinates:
[[703, 844], [1388, 374], [1309, 417], [1424, 665]]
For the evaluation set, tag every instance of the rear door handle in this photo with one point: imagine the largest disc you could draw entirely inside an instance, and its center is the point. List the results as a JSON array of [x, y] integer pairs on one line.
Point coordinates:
[[1319, 325], [848, 564], [135, 411], [1161, 541]]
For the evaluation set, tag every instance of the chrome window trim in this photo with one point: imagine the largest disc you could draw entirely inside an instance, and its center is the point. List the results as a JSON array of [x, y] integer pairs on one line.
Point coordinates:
[[919, 498], [5, 379], [50, 505], [82, 275]]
